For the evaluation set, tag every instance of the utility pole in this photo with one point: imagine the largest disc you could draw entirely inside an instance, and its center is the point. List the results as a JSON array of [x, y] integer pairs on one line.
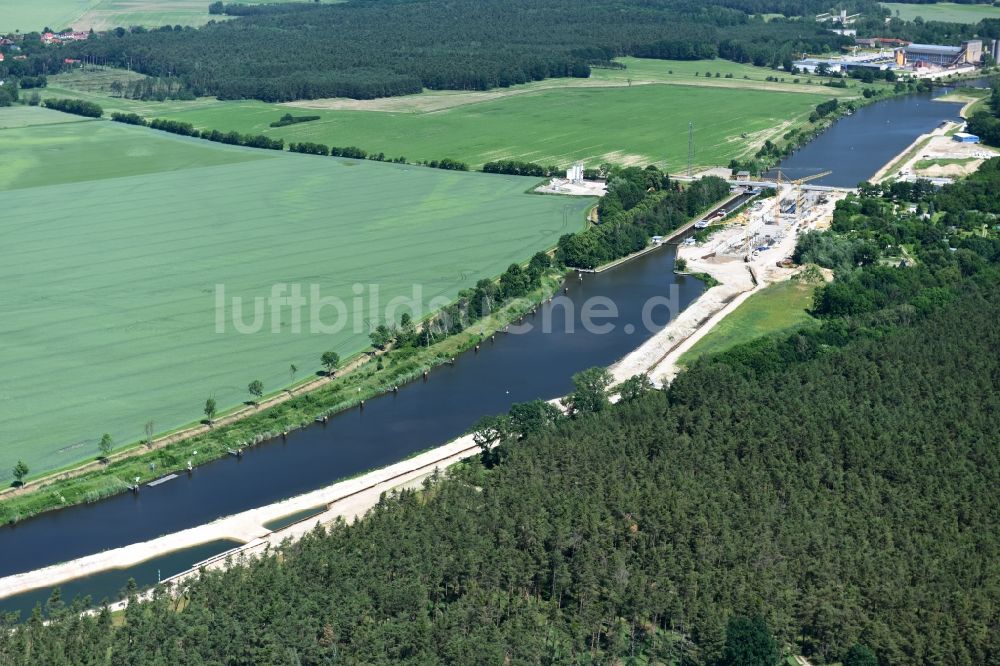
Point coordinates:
[[690, 147]]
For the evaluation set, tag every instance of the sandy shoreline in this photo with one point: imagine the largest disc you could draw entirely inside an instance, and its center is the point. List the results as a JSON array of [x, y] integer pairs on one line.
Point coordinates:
[[352, 498], [346, 499]]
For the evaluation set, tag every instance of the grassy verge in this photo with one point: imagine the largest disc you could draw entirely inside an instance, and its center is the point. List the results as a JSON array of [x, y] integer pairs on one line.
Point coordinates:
[[777, 309], [942, 161], [709, 280], [345, 392]]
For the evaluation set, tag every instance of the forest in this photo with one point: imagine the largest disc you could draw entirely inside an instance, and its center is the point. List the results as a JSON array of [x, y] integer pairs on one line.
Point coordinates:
[[927, 32], [986, 123], [640, 203], [368, 49], [831, 493]]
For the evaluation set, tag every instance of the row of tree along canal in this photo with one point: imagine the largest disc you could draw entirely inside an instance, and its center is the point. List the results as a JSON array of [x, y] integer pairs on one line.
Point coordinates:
[[513, 368]]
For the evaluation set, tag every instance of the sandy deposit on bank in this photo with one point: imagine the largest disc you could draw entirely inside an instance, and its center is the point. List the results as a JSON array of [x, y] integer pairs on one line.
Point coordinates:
[[346, 499], [691, 323], [658, 356], [351, 499]]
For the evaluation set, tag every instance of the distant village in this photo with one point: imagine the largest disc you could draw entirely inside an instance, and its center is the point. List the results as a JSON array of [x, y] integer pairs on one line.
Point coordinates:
[[11, 46]]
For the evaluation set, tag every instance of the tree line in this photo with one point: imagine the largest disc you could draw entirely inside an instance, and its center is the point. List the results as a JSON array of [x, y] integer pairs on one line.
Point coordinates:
[[353, 152], [640, 203], [187, 129], [75, 106], [830, 492], [473, 304], [289, 119], [986, 123], [376, 49], [519, 168]]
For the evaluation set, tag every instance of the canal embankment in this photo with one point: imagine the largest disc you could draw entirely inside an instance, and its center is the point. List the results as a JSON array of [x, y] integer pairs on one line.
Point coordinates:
[[345, 500], [515, 368]]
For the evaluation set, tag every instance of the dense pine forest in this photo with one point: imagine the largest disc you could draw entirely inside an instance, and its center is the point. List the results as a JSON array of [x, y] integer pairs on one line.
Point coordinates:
[[833, 493], [365, 49]]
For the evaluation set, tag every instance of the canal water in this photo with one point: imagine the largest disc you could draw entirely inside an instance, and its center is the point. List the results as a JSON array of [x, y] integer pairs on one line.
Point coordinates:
[[857, 146], [423, 414], [514, 368], [111, 584]]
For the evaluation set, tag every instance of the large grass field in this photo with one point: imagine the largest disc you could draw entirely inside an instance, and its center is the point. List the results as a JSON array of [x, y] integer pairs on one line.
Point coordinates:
[[777, 309], [33, 15], [943, 11], [636, 115], [116, 237]]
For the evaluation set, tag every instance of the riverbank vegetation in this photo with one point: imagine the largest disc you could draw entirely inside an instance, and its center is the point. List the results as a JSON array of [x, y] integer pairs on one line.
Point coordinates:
[[639, 204], [778, 309], [155, 294], [832, 492], [985, 122]]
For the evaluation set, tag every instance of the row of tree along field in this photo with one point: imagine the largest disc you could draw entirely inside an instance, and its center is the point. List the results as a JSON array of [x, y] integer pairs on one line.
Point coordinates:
[[261, 141], [832, 492], [330, 361]]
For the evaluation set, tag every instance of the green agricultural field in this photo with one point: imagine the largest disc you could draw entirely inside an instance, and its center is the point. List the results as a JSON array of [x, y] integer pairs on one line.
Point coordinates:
[[638, 115], [33, 15], [117, 237], [777, 309], [943, 11], [26, 116]]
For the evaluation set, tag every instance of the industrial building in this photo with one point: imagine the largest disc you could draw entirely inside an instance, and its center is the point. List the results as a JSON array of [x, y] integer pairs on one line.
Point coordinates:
[[965, 137], [810, 65], [969, 53], [574, 174]]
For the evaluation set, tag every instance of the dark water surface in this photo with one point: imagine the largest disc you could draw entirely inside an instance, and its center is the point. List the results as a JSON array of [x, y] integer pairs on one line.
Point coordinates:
[[857, 146], [110, 584], [514, 368]]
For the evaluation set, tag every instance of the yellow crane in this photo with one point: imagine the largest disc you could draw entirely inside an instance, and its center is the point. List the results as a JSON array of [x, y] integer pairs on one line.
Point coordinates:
[[777, 195], [800, 193]]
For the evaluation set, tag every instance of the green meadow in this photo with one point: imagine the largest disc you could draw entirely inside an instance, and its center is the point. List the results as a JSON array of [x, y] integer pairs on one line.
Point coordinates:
[[25, 116], [33, 15], [117, 239], [777, 309], [637, 115], [943, 11]]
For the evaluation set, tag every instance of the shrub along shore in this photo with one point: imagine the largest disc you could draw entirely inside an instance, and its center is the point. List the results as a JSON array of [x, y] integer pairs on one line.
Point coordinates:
[[407, 351], [374, 375]]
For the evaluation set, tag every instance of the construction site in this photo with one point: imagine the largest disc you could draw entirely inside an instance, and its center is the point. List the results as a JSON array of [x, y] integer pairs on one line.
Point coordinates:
[[766, 226]]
